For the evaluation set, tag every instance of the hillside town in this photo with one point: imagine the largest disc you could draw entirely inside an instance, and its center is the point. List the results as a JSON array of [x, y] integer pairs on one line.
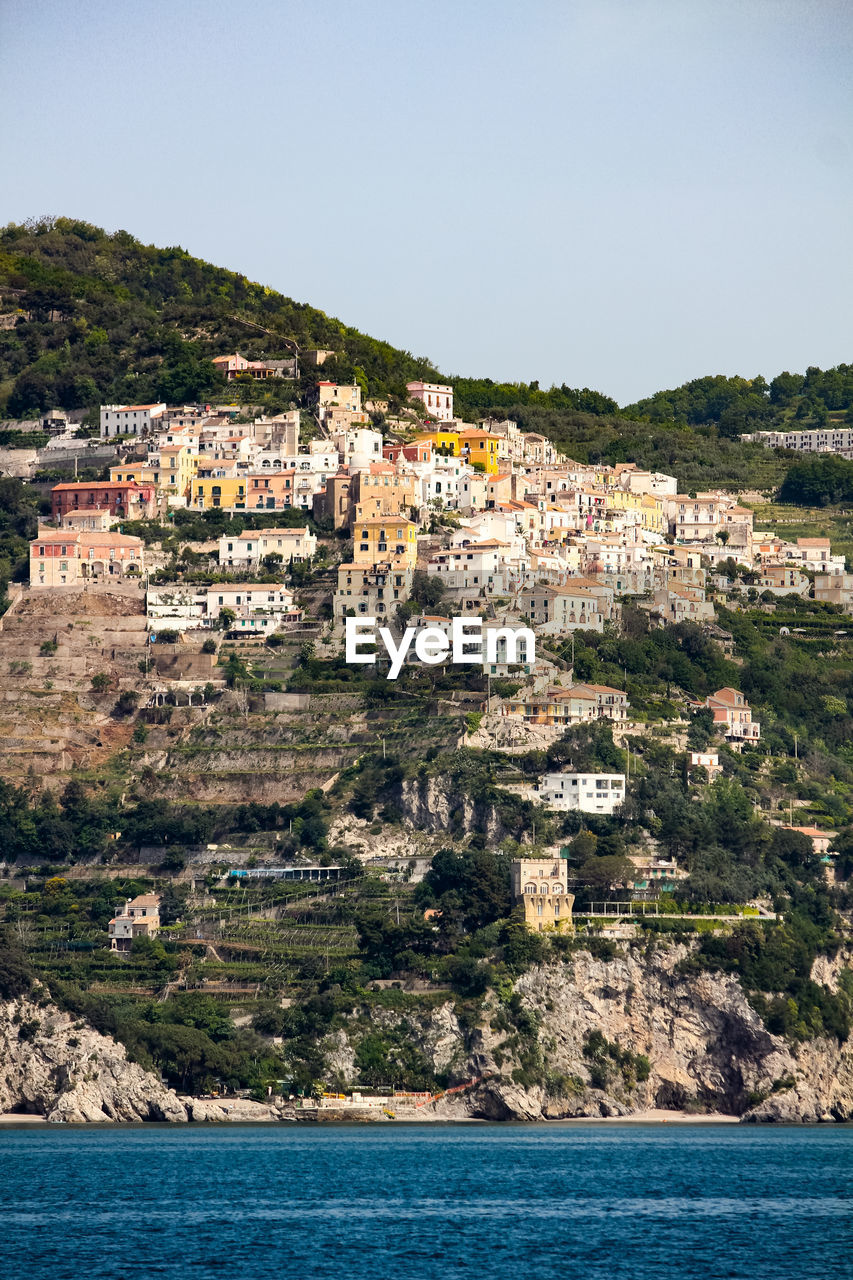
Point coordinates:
[[482, 520]]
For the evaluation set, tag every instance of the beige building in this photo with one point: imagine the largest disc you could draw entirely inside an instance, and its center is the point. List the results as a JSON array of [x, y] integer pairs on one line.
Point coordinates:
[[540, 887], [834, 588], [372, 590], [137, 918]]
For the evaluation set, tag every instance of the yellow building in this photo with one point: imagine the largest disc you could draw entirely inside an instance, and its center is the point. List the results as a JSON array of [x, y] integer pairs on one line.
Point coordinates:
[[380, 491], [178, 469], [173, 471], [446, 441], [481, 449], [654, 514], [540, 886], [385, 538], [212, 490], [139, 472], [622, 500]]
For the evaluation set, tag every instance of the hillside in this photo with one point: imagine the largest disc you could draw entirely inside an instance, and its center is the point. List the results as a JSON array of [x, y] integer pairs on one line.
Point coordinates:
[[88, 318], [332, 852]]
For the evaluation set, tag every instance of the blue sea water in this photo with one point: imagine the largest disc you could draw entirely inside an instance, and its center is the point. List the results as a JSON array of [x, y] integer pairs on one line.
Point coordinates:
[[425, 1202]]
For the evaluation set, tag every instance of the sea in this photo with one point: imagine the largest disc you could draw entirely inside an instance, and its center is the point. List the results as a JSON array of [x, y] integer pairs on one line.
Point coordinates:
[[427, 1202]]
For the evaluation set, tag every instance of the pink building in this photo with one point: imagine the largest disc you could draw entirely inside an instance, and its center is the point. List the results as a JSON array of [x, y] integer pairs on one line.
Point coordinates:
[[66, 557], [732, 714], [437, 398]]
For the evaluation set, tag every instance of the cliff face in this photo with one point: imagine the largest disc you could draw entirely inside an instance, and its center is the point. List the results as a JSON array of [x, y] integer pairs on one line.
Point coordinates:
[[432, 805], [707, 1049], [54, 1065]]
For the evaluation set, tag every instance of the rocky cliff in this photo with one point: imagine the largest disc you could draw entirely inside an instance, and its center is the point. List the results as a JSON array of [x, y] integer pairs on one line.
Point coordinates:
[[431, 804], [57, 1066], [666, 1041]]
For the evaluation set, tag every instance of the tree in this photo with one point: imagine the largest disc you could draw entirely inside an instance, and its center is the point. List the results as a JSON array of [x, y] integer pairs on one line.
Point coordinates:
[[601, 873], [427, 589]]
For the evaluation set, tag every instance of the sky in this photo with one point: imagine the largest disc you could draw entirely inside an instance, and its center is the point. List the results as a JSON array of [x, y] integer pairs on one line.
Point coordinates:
[[620, 194]]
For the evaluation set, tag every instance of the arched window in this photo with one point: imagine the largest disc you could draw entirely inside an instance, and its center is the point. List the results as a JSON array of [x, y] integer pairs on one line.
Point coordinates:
[[543, 888], [530, 888]]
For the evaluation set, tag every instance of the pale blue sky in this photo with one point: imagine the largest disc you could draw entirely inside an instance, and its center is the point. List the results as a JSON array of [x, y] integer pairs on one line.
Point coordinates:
[[622, 194]]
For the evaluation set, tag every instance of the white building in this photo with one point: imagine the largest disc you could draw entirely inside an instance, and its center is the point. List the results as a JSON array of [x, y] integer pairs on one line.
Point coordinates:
[[358, 446], [257, 606], [129, 419], [250, 547], [828, 439], [586, 792]]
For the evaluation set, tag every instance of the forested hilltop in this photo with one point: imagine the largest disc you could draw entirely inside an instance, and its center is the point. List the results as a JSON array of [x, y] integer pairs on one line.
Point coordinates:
[[90, 317]]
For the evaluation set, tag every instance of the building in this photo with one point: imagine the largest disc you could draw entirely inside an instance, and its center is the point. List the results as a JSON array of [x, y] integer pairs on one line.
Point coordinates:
[[561, 707], [480, 449], [834, 588], [437, 399], [129, 419], [707, 760], [333, 501], [380, 490], [237, 366], [561, 610], [828, 439], [733, 716], [540, 887], [219, 485], [249, 548], [653, 876], [583, 792], [821, 840], [280, 491], [358, 446], [136, 918], [68, 557], [383, 538], [125, 499], [675, 603], [259, 607], [372, 590], [333, 395]]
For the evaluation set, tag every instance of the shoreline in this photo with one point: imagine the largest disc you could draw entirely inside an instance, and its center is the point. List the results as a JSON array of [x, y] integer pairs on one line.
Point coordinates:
[[658, 1115], [651, 1115]]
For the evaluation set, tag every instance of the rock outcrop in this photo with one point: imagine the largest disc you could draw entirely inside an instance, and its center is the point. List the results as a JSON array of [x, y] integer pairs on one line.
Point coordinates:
[[707, 1048], [431, 804], [57, 1066]]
